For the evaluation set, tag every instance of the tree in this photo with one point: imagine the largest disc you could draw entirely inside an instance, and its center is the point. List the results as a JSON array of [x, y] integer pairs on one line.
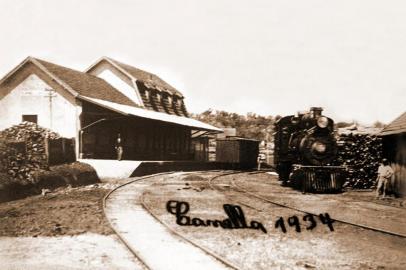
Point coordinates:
[[251, 125]]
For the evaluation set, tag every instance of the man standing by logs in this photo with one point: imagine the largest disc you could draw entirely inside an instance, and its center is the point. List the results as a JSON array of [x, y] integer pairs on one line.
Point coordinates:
[[385, 173]]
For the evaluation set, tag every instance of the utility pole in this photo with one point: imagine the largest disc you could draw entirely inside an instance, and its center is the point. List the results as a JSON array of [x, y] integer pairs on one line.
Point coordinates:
[[50, 95]]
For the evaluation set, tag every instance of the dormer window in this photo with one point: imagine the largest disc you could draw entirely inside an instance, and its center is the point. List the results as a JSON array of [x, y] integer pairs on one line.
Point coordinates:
[[169, 100], [147, 94], [158, 97]]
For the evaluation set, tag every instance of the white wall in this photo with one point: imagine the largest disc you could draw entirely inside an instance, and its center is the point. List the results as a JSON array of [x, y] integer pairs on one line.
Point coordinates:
[[119, 84], [30, 97], [118, 80]]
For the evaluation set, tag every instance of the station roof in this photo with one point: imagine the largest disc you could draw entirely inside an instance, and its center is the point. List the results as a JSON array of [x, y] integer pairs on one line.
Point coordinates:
[[397, 126], [96, 90], [153, 115], [149, 79], [73, 81]]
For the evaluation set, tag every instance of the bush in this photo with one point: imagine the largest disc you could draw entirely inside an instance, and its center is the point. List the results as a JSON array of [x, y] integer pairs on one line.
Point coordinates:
[[74, 174]]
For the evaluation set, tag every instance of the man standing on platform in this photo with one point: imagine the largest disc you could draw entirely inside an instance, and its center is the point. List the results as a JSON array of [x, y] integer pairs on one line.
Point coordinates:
[[119, 148]]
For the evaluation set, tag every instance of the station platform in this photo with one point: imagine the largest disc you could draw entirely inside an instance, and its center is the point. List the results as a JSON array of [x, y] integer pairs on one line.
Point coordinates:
[[115, 169]]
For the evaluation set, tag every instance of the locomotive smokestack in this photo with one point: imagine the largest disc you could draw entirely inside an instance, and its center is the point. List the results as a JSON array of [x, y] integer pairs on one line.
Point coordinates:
[[316, 111]]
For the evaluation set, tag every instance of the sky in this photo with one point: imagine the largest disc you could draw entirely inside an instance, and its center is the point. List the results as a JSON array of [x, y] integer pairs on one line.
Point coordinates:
[[263, 56]]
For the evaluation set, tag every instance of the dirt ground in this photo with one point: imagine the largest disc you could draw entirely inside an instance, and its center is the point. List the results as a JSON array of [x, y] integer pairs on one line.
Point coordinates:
[[370, 196], [88, 251], [65, 211], [347, 247], [69, 224], [64, 229]]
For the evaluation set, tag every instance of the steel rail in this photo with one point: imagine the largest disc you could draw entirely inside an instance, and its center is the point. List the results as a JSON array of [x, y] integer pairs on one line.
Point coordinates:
[[168, 227], [244, 191], [128, 245], [214, 186], [122, 239]]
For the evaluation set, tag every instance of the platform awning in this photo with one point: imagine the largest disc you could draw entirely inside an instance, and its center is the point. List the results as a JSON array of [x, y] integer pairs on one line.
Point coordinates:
[[139, 112]]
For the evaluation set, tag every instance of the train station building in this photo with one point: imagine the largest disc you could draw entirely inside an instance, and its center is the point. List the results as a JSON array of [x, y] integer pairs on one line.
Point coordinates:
[[109, 100]]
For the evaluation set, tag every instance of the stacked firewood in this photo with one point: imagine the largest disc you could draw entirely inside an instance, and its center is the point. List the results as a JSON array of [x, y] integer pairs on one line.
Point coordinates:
[[23, 150], [362, 154]]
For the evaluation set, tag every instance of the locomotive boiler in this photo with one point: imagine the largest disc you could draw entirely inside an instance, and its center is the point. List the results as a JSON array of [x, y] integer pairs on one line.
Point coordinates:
[[305, 146]]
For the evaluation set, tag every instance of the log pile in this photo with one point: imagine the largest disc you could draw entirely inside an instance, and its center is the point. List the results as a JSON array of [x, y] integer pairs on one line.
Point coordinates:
[[23, 150], [362, 154]]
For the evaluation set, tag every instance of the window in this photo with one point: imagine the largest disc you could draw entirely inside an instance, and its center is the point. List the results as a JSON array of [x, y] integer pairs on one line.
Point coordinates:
[[30, 118]]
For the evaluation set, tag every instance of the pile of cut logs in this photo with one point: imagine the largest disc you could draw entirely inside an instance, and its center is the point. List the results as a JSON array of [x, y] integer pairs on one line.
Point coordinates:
[[362, 154], [24, 150]]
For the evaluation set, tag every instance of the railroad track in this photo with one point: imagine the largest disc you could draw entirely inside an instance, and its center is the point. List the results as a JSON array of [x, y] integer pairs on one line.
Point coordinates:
[[168, 227], [233, 185], [226, 263], [215, 183], [122, 239]]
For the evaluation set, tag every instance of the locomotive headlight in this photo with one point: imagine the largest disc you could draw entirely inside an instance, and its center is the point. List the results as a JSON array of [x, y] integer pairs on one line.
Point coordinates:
[[319, 147], [322, 122]]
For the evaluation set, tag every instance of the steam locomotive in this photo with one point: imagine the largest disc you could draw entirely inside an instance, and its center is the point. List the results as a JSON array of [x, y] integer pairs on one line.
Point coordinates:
[[305, 147]]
